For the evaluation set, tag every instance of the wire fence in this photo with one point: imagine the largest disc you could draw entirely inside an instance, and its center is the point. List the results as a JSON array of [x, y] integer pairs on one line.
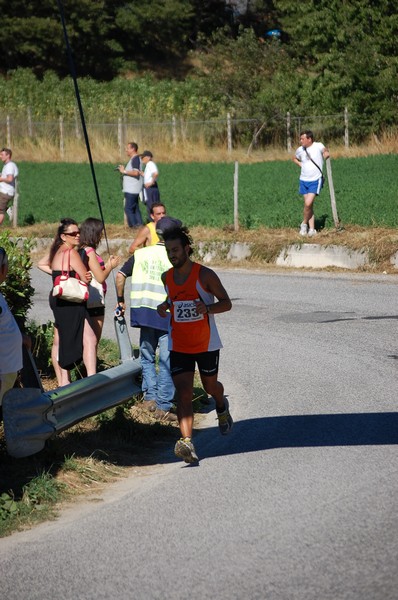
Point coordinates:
[[229, 132]]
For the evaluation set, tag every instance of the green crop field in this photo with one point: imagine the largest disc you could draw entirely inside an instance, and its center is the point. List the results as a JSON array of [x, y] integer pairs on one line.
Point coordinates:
[[202, 193]]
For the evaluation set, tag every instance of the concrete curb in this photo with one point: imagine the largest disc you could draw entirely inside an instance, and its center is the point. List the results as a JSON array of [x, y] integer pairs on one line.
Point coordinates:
[[317, 256], [314, 256], [297, 255]]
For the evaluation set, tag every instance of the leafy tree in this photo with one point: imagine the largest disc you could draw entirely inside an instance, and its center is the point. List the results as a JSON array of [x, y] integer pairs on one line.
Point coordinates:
[[31, 36], [238, 70], [349, 50], [106, 36]]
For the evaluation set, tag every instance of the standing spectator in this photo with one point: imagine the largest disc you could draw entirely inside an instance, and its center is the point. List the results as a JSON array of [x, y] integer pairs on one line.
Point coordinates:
[[132, 185], [10, 338], [193, 336], [146, 267], [151, 174], [71, 319], [147, 235], [7, 181], [91, 231], [309, 157]]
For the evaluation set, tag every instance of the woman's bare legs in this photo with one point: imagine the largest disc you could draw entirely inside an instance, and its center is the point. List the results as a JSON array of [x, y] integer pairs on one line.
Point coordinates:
[[89, 349]]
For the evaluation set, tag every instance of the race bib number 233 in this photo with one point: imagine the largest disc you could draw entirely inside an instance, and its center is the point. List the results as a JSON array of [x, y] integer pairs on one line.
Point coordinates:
[[185, 311]]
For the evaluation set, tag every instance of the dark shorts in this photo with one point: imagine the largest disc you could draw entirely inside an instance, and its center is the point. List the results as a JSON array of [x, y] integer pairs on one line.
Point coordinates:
[[185, 363], [98, 311], [5, 200]]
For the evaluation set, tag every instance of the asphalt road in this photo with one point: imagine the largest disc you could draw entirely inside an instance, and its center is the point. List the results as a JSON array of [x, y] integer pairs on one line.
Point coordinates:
[[298, 503]]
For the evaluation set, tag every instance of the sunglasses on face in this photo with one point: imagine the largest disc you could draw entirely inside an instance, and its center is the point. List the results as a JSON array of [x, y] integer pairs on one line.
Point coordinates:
[[72, 233]]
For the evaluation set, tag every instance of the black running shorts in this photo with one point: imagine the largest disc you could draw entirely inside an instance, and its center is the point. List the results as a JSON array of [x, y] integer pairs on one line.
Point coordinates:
[[182, 363]]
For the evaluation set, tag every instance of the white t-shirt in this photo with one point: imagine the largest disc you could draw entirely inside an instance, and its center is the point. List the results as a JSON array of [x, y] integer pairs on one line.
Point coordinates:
[[309, 172], [9, 168], [131, 184], [10, 341], [150, 169]]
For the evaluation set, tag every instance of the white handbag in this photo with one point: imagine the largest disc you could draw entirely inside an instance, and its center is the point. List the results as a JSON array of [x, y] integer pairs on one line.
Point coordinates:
[[96, 298], [69, 288]]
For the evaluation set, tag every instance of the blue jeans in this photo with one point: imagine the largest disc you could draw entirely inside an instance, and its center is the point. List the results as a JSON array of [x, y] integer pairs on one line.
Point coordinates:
[[156, 386], [132, 209]]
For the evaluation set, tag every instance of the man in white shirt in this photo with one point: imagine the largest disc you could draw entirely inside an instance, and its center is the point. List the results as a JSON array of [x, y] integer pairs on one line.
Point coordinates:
[[151, 174], [309, 157], [7, 181], [132, 185]]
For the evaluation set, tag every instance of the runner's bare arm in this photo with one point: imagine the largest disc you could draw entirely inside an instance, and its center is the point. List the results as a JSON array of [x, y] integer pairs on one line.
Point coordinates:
[[212, 284]]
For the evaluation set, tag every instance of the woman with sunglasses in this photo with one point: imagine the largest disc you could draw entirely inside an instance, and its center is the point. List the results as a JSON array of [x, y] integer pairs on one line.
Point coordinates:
[[91, 231], [71, 320]]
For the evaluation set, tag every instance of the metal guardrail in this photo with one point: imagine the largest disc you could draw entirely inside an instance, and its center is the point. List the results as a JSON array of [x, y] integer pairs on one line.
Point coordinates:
[[32, 416]]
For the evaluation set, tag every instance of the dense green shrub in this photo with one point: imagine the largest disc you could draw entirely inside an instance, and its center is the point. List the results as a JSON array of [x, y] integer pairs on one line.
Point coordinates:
[[17, 288]]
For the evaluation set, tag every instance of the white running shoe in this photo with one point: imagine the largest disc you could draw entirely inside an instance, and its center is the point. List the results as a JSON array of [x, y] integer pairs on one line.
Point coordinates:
[[9, 212], [311, 233], [303, 229]]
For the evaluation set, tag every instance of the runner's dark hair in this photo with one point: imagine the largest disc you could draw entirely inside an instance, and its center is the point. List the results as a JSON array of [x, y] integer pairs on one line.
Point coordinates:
[[182, 234]]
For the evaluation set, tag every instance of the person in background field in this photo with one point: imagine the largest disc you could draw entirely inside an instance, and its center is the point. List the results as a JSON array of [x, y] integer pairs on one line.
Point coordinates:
[[11, 339], [91, 231], [132, 185], [193, 336], [147, 235], [150, 174], [309, 157], [146, 267], [7, 181], [71, 319]]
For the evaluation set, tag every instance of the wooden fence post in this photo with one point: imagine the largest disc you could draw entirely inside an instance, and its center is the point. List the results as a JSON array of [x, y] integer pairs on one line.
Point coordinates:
[[174, 130], [346, 135], [288, 136], [229, 133], [77, 130], [30, 128], [8, 120], [15, 204], [119, 136], [236, 197], [332, 194], [61, 137]]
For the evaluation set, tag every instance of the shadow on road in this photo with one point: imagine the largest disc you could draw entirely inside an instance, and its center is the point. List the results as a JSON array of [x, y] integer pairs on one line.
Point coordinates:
[[252, 435]]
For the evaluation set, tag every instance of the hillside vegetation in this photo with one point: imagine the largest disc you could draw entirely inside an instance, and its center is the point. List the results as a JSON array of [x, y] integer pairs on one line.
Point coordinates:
[[202, 60]]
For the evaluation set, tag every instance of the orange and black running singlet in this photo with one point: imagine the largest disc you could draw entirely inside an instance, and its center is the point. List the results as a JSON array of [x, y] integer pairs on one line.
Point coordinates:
[[190, 332]]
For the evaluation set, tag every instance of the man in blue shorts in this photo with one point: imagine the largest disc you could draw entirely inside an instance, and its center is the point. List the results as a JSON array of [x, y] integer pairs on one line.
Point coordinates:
[[309, 157]]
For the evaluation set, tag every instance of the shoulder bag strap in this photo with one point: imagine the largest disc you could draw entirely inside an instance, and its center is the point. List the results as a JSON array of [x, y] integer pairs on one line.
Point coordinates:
[[62, 266], [317, 166]]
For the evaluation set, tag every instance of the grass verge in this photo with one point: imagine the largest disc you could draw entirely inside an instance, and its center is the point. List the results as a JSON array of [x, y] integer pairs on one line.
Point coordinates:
[[83, 459]]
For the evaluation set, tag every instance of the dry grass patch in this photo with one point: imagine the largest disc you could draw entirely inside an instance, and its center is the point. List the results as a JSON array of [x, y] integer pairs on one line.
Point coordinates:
[[104, 150], [266, 244]]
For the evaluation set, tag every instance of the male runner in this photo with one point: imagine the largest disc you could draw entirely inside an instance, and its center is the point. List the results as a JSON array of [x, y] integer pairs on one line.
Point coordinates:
[[193, 337]]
